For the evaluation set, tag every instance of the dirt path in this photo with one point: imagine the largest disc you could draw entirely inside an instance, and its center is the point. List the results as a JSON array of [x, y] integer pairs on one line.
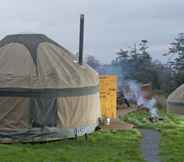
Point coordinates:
[[150, 145], [117, 124], [123, 112]]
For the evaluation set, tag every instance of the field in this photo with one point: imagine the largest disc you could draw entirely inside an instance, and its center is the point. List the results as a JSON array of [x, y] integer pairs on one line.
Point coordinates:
[[105, 146], [100, 147], [172, 133]]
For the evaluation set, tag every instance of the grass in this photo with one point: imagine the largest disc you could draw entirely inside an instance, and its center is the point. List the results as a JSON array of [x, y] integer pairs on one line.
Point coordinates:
[[141, 120], [172, 145], [172, 133], [120, 146]]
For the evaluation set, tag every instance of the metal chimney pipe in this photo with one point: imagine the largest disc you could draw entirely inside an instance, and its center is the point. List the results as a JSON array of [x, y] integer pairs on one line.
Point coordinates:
[[81, 39]]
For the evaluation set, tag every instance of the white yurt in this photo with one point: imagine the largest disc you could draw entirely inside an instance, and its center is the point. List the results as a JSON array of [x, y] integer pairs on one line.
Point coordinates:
[[44, 93], [175, 101]]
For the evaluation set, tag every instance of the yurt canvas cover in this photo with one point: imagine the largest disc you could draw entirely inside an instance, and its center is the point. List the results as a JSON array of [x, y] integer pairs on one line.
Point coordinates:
[[175, 101], [44, 93]]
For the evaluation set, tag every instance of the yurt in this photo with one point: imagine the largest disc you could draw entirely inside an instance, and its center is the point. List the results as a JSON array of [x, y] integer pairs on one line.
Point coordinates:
[[45, 94], [175, 101]]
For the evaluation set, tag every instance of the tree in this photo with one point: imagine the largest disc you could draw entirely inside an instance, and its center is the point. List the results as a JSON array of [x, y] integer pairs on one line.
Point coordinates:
[[176, 48], [137, 64], [122, 56], [165, 77], [143, 51], [141, 62], [122, 61], [93, 62]]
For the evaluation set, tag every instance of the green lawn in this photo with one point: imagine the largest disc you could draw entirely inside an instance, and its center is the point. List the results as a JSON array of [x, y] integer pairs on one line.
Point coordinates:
[[172, 133], [100, 147], [105, 146]]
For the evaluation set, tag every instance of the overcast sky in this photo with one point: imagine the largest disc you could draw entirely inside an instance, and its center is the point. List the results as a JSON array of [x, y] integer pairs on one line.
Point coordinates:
[[109, 25]]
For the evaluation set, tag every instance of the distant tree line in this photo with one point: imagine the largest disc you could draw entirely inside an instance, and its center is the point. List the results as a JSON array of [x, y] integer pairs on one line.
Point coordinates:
[[137, 64]]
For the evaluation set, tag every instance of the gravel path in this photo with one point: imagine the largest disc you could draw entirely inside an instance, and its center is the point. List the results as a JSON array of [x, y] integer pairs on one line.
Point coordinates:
[[150, 145]]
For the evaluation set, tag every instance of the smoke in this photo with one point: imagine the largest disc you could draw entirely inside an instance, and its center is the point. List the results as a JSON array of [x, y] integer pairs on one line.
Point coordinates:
[[131, 89], [134, 93], [151, 105]]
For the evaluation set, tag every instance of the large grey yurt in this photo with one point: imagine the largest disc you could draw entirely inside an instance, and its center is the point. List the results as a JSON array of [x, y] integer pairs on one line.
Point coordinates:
[[44, 93], [175, 101]]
